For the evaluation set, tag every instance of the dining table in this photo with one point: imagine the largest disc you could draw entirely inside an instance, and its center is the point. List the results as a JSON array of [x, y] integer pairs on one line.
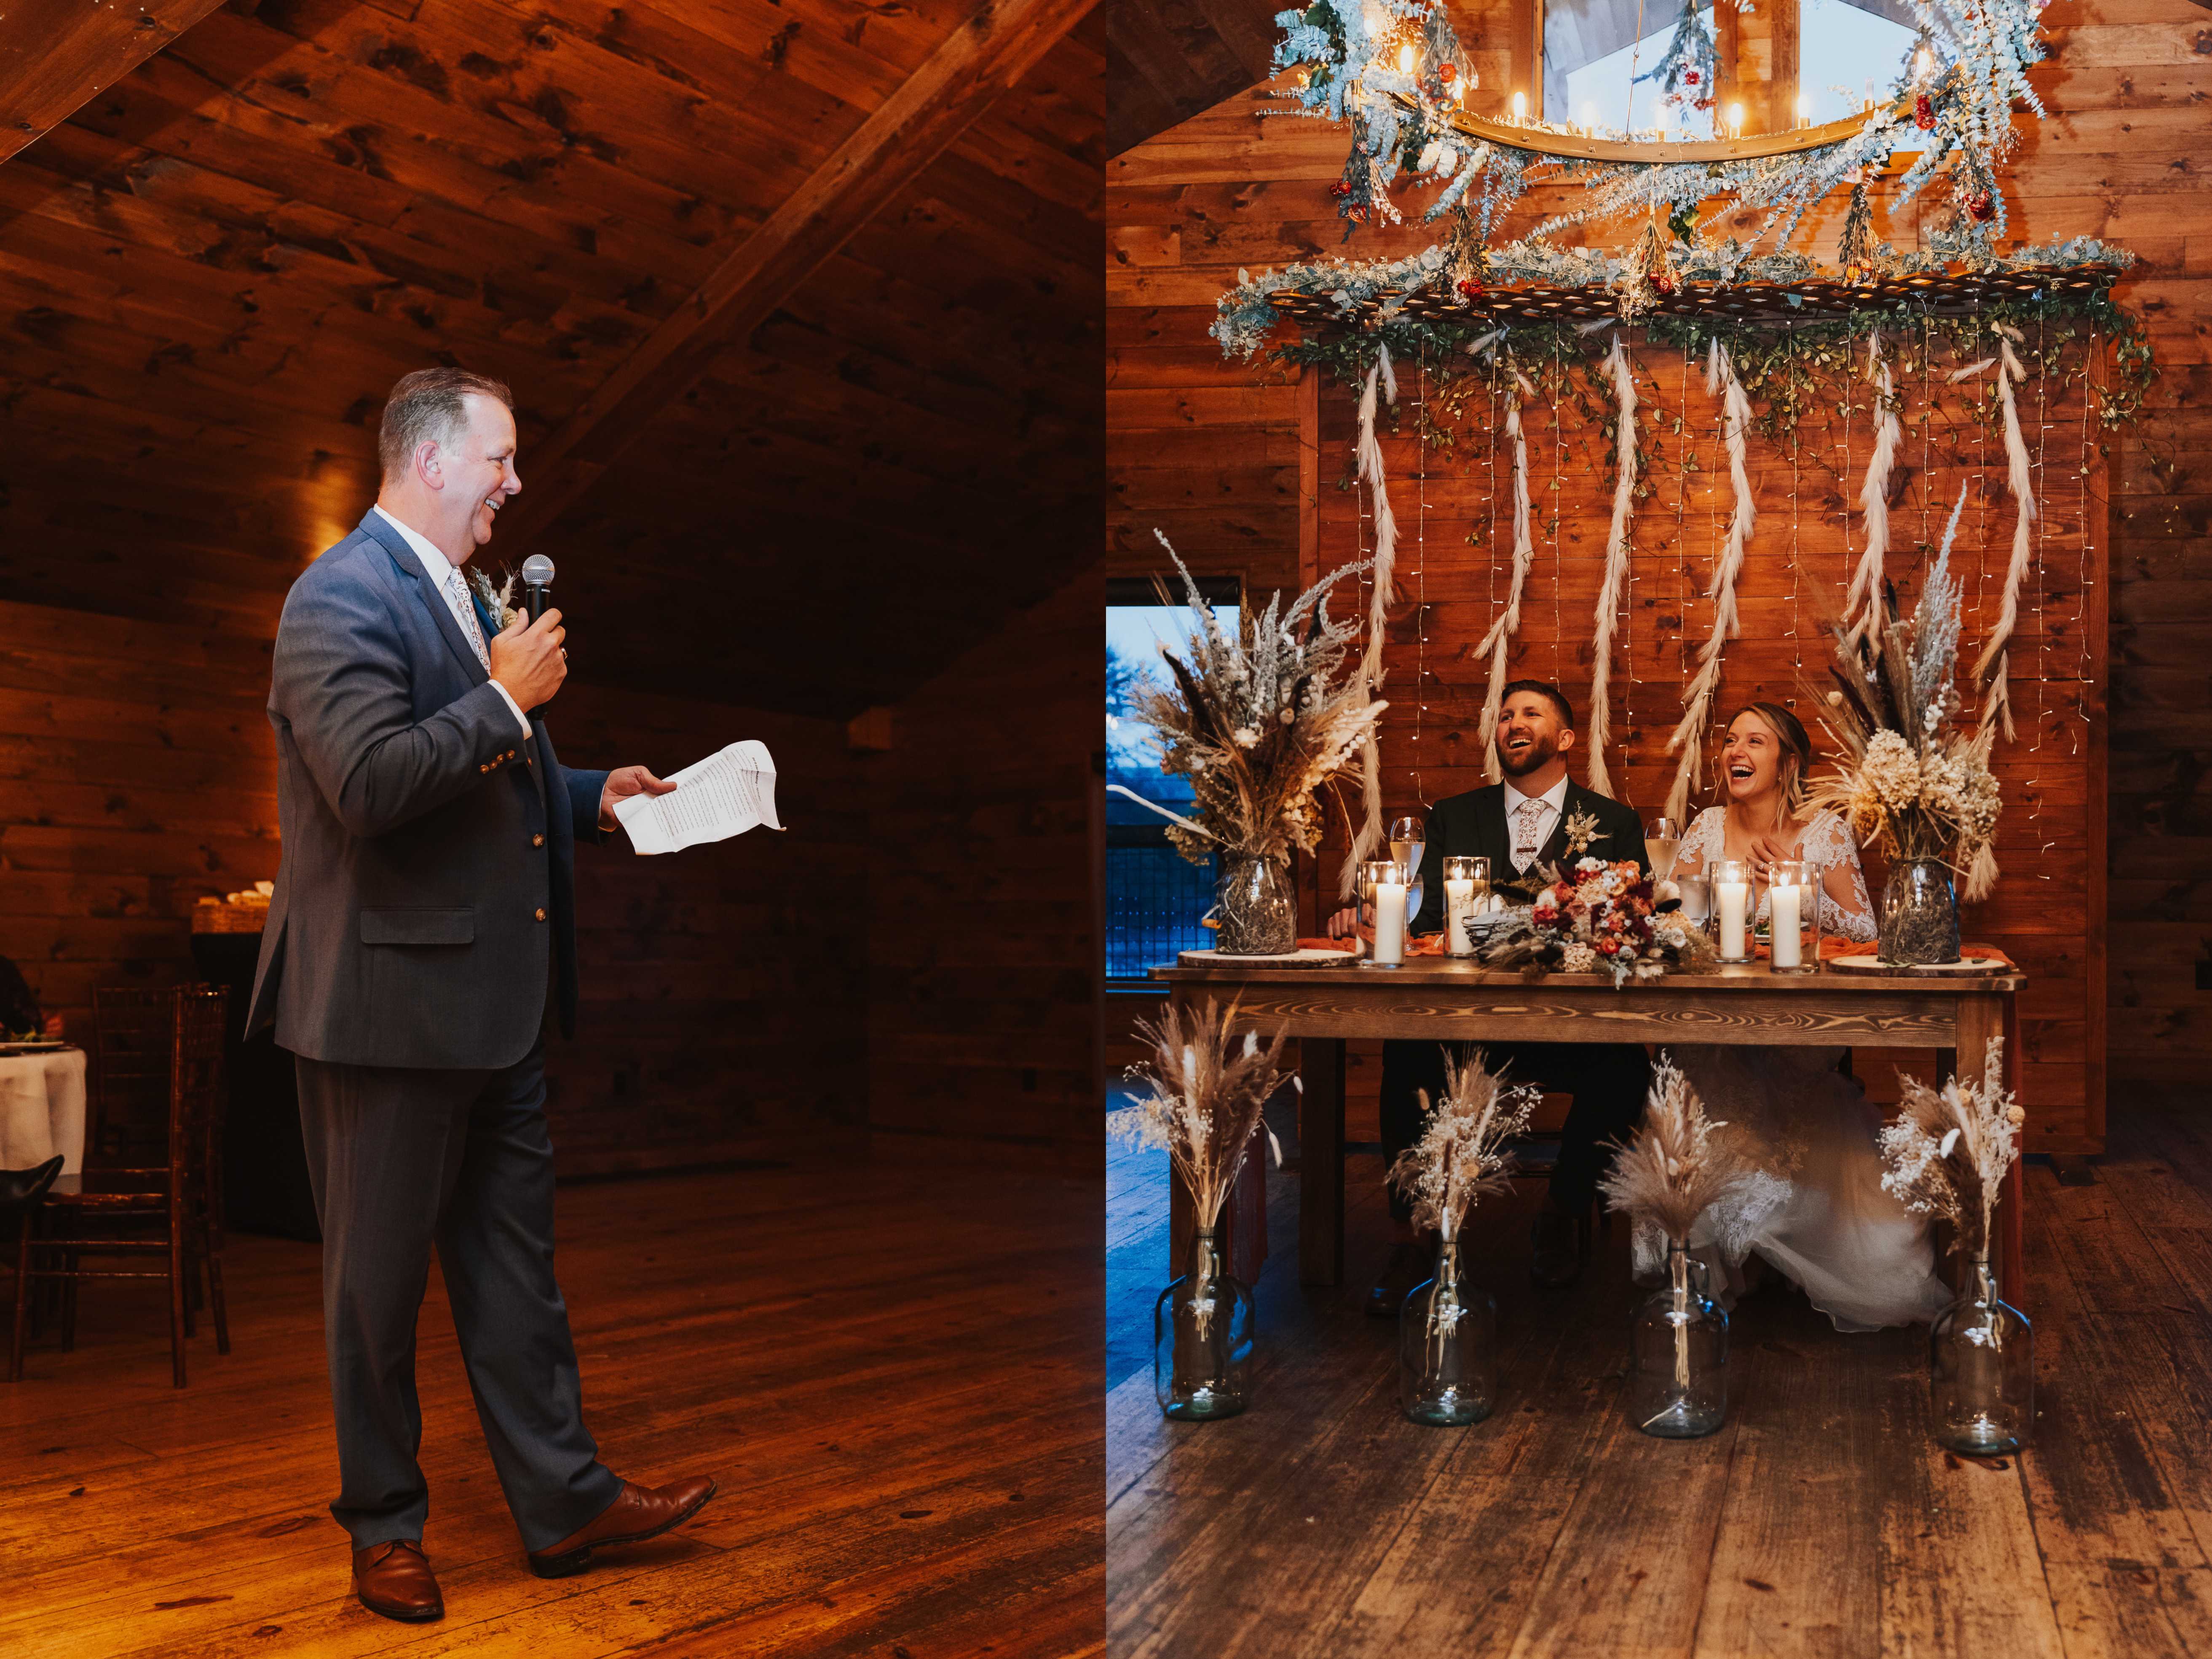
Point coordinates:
[[1440, 999]]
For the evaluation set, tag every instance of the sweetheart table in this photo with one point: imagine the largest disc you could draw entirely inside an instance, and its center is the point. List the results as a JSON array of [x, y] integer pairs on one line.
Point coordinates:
[[1441, 1000]]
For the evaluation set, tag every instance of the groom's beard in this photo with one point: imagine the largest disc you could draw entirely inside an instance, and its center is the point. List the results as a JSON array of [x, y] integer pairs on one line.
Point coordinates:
[[1536, 755]]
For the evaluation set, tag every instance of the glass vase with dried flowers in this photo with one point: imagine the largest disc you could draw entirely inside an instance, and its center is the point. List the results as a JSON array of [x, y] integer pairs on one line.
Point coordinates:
[[1204, 1092], [1948, 1151], [1447, 1328], [1679, 1167], [1910, 785], [1259, 721]]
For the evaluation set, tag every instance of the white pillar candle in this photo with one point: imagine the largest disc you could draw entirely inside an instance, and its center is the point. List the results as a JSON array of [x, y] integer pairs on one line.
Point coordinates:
[[1733, 899], [1459, 904], [1784, 926], [1389, 922]]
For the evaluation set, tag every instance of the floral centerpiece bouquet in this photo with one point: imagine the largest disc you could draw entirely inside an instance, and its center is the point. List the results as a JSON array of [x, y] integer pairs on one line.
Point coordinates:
[[1910, 785], [1597, 917], [1257, 721]]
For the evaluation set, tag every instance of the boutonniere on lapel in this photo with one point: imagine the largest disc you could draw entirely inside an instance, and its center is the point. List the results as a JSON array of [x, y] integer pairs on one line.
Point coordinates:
[[498, 602], [1581, 830]]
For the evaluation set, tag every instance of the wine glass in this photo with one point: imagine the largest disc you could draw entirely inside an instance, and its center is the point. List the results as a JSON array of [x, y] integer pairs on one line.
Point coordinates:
[[1408, 839], [1663, 837]]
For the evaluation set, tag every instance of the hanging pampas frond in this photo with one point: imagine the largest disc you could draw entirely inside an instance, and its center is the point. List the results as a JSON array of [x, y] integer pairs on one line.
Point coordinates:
[[1862, 601], [1616, 561], [1370, 455], [1992, 667], [1689, 736], [1496, 642]]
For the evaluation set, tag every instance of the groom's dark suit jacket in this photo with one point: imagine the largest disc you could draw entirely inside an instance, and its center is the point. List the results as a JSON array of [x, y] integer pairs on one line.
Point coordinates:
[[427, 876], [1473, 825]]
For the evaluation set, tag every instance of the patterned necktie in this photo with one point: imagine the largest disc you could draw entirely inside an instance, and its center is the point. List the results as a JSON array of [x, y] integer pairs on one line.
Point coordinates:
[[1526, 818], [457, 597]]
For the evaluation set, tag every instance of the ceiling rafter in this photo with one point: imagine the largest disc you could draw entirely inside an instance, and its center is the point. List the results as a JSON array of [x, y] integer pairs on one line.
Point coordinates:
[[56, 54], [977, 65]]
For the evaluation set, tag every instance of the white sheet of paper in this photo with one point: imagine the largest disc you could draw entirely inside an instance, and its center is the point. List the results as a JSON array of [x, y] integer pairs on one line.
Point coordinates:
[[730, 792]]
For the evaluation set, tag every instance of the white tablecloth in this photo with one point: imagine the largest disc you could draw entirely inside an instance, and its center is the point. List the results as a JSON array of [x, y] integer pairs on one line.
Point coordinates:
[[42, 1108]]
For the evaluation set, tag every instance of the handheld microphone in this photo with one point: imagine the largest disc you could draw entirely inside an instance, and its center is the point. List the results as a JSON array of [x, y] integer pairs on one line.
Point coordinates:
[[537, 577]]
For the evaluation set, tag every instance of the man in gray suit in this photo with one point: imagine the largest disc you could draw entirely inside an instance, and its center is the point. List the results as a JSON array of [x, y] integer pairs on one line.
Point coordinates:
[[423, 904]]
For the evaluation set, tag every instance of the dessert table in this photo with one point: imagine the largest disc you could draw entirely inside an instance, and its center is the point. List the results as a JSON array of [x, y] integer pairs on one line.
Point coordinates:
[[42, 1108], [1433, 999]]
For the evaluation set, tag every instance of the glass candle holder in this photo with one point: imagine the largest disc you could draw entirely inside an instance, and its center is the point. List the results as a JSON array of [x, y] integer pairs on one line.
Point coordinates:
[[1386, 879], [1793, 913], [1467, 889], [1732, 909]]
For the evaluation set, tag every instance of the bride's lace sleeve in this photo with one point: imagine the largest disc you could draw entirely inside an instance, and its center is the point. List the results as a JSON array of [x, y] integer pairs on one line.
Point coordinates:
[[1828, 844], [1701, 842]]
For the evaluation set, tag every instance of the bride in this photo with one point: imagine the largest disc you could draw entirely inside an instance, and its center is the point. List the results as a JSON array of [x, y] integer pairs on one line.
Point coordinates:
[[1860, 1257]]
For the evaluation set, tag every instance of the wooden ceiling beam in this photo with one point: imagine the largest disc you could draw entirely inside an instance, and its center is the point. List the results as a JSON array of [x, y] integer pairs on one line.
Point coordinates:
[[980, 63], [55, 55]]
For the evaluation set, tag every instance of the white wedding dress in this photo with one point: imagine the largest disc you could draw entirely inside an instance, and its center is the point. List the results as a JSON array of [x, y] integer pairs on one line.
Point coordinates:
[[1859, 1255]]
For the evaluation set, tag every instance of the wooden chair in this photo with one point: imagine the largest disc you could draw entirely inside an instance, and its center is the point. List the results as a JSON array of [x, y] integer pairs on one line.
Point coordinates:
[[175, 1211]]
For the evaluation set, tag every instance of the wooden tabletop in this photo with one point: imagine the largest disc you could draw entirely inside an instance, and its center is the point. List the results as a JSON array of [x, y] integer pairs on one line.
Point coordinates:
[[1441, 998]]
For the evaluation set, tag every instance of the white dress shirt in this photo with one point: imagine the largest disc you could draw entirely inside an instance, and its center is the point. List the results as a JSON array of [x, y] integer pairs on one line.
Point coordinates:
[[446, 576], [1542, 819]]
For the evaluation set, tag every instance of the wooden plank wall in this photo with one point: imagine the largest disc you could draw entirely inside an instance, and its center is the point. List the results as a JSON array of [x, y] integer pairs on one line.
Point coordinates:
[[986, 948], [1211, 451], [137, 773]]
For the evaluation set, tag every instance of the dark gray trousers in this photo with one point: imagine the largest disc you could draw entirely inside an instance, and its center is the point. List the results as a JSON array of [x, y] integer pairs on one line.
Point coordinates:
[[403, 1158]]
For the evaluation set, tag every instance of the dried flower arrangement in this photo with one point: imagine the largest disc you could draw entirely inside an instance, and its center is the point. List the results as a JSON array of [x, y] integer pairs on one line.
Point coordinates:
[[1259, 724], [1949, 1150], [1205, 1088], [1678, 1166], [1599, 916], [1462, 1152], [1910, 785]]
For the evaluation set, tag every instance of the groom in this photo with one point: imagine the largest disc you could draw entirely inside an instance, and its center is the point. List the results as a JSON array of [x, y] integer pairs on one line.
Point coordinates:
[[423, 904], [1521, 826]]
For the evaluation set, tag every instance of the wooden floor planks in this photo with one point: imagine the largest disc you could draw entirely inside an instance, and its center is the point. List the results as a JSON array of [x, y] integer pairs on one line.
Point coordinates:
[[894, 1374], [1821, 1521]]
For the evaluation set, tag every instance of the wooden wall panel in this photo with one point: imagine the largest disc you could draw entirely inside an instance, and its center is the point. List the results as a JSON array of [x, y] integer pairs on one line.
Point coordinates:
[[721, 988], [1210, 450], [985, 957]]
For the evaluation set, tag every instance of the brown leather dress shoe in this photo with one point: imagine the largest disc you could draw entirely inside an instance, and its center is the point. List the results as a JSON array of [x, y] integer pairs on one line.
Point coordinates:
[[642, 1512], [394, 1579]]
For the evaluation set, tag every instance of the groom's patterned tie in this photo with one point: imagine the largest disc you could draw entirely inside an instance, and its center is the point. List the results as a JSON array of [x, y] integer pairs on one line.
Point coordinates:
[[1526, 817], [457, 599]]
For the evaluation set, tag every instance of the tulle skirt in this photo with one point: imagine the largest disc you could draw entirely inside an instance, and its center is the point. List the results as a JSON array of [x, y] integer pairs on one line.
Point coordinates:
[[1859, 1255]]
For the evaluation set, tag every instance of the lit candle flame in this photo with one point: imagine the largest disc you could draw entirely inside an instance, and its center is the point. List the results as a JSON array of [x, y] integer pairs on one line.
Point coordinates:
[[1406, 59], [1520, 105], [1735, 120]]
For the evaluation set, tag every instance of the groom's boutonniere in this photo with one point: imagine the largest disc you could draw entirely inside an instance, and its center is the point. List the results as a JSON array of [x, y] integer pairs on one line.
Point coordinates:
[[499, 601], [1581, 830]]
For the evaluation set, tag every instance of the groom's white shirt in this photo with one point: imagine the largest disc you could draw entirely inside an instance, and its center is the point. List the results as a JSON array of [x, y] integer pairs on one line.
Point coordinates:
[[440, 571], [1553, 801]]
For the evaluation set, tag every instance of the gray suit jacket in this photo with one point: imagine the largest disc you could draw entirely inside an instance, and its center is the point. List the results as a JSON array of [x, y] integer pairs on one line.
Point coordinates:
[[426, 887]]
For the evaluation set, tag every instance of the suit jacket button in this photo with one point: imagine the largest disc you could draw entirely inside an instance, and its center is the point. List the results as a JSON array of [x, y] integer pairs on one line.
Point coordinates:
[[537, 841], [541, 913]]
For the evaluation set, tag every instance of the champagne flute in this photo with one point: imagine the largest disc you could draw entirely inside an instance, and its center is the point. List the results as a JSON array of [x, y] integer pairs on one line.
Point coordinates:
[[1408, 839], [1663, 838]]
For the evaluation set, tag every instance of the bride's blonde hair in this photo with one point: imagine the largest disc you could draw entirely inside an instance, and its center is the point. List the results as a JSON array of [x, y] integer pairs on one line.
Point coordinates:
[[1796, 753]]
